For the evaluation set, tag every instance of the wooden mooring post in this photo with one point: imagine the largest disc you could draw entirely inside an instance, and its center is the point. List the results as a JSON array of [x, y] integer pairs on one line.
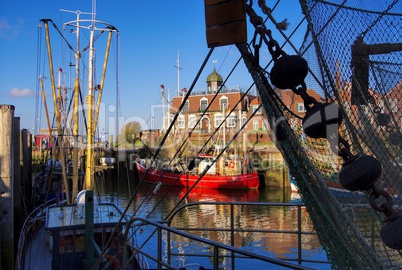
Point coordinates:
[[7, 245]]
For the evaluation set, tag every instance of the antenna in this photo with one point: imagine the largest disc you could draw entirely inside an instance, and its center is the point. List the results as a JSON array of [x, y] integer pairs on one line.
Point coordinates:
[[163, 106], [178, 72]]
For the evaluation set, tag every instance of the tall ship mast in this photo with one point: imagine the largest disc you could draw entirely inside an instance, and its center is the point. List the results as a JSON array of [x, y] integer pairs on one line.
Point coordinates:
[[77, 233]]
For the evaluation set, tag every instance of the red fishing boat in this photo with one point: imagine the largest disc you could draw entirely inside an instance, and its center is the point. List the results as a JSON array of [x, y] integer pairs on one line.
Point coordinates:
[[225, 173], [221, 195]]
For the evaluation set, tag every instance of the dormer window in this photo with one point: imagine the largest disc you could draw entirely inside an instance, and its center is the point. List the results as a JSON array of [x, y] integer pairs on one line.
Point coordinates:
[[246, 104], [203, 104], [186, 106], [223, 103], [300, 107], [253, 108]]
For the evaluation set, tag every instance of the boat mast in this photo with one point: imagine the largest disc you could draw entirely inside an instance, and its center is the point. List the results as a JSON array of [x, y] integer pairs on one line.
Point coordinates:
[[49, 126], [59, 129], [77, 91], [168, 109], [89, 259], [163, 107], [89, 173], [109, 41], [59, 103], [92, 116], [178, 73], [224, 125], [89, 170]]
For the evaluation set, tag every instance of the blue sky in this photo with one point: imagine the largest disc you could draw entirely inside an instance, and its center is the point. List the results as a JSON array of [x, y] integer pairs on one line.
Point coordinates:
[[151, 35]]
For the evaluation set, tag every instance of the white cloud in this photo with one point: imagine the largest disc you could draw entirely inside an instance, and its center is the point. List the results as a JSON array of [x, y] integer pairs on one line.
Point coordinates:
[[4, 26], [10, 31], [15, 92]]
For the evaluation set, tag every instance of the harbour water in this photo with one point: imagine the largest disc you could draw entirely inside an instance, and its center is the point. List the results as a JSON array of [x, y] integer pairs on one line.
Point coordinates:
[[120, 186]]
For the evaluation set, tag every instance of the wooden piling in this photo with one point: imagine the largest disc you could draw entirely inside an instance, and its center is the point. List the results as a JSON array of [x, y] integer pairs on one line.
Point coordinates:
[[16, 184], [26, 163], [6, 186]]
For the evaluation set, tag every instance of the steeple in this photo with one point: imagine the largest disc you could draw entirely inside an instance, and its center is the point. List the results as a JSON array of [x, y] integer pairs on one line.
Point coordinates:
[[214, 81]]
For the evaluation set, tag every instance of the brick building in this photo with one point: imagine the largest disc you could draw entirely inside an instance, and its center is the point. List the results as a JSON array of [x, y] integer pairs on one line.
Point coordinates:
[[229, 102]]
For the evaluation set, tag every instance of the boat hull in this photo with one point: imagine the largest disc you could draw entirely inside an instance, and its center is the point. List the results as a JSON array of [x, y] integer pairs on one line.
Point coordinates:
[[240, 181]]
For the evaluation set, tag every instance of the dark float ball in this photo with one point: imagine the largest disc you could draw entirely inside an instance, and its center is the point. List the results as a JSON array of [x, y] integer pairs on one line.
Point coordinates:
[[360, 174], [391, 233], [320, 118], [289, 71]]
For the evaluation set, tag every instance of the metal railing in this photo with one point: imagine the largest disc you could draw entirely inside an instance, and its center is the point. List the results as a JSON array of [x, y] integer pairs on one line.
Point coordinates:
[[164, 241]]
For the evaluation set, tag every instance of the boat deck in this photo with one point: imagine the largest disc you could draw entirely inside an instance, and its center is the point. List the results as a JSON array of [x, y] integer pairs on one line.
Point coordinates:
[[62, 220], [72, 216]]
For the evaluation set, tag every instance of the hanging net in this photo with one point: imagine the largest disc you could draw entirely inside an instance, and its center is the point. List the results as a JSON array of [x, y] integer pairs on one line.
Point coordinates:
[[354, 55]]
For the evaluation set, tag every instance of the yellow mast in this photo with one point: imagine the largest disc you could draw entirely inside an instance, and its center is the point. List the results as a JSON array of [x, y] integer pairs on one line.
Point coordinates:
[[102, 79], [77, 90], [46, 111], [89, 171], [75, 135], [59, 129], [59, 98]]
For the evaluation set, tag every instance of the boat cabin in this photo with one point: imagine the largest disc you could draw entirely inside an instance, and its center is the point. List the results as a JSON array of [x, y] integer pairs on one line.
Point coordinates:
[[229, 165], [65, 225], [206, 160]]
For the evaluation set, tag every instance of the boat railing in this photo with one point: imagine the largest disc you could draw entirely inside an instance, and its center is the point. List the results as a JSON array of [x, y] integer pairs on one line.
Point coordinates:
[[30, 226], [164, 246]]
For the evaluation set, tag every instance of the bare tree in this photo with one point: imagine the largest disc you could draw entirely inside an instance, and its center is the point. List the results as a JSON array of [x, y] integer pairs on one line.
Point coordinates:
[[131, 132]]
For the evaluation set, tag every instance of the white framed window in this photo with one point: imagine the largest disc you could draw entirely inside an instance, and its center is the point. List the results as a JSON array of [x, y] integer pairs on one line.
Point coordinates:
[[203, 104], [218, 119], [191, 120], [186, 105], [231, 121], [253, 108], [300, 107], [256, 125], [223, 103], [181, 122]]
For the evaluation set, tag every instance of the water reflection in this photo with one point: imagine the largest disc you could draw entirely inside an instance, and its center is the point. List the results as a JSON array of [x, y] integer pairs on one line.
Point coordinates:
[[147, 203]]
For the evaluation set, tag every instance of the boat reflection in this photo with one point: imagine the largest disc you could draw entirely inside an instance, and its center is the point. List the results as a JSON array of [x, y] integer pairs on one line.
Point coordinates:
[[269, 229], [215, 195]]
